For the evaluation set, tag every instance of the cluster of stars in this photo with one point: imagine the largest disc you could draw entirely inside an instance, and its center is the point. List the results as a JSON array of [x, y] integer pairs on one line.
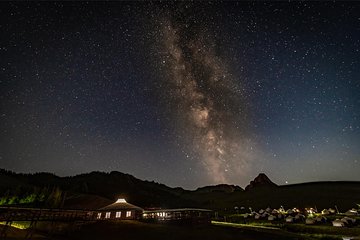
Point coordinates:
[[186, 93]]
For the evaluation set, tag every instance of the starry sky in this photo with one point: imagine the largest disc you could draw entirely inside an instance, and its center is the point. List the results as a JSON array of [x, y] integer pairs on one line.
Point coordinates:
[[187, 94]]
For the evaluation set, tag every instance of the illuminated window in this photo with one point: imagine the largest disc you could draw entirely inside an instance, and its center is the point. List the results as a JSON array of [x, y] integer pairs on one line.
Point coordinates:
[[98, 215], [118, 214], [161, 214], [128, 213], [107, 215]]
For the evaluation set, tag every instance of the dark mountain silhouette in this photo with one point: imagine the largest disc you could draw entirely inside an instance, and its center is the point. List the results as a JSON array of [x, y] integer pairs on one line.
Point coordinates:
[[106, 185], [97, 189], [260, 181], [219, 188]]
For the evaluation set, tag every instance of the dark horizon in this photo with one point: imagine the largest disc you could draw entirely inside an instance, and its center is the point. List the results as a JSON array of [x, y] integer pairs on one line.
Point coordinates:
[[187, 189], [185, 94]]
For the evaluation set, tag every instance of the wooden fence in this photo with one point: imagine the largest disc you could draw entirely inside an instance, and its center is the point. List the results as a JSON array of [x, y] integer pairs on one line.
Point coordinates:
[[8, 215]]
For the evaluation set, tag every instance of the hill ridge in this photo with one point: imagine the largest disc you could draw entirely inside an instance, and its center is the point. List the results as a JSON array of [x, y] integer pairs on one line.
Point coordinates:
[[102, 188]]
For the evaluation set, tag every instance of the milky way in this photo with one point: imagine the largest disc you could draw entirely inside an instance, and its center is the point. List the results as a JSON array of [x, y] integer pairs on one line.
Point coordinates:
[[210, 101], [186, 93]]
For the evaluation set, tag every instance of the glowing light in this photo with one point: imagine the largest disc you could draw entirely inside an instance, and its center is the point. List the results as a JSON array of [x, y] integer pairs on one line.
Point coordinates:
[[18, 225], [121, 200]]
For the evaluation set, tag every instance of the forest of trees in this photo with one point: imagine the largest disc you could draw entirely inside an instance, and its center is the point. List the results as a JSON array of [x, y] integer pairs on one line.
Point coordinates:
[[37, 197], [27, 195]]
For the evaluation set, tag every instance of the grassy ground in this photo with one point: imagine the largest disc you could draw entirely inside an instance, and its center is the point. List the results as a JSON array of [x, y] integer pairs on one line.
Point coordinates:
[[309, 231], [16, 233], [137, 230], [133, 230], [328, 230]]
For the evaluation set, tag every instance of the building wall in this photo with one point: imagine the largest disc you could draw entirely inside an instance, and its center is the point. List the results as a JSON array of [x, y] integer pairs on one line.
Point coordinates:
[[187, 216], [117, 215]]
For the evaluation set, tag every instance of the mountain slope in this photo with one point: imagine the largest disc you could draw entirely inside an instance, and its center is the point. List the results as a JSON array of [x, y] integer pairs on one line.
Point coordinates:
[[97, 189], [107, 185]]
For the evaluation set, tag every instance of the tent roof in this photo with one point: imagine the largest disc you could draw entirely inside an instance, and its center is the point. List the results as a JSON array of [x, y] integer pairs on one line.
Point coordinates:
[[121, 204]]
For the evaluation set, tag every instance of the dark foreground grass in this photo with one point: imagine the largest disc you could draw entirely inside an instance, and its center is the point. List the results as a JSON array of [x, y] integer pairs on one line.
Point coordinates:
[[137, 230], [318, 229], [133, 230], [15, 234], [323, 232]]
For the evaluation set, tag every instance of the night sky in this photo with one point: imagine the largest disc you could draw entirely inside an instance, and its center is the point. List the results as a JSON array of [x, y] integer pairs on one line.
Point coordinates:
[[186, 94]]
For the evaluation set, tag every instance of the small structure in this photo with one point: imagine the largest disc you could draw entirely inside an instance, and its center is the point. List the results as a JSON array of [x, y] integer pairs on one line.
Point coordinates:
[[274, 211], [351, 212], [338, 223], [310, 221], [296, 210], [289, 219], [348, 221], [299, 217], [350, 238], [310, 211], [325, 212], [120, 210], [332, 211], [320, 219], [180, 215], [289, 211], [271, 217]]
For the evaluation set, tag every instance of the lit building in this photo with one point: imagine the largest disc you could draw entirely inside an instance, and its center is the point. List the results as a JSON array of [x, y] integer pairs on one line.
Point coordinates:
[[180, 215], [120, 210]]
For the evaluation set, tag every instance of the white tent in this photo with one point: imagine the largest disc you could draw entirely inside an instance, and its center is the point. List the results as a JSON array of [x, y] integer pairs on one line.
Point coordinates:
[[325, 212], [348, 220], [352, 212], [275, 211], [310, 221], [338, 223], [320, 219], [289, 219], [332, 211]]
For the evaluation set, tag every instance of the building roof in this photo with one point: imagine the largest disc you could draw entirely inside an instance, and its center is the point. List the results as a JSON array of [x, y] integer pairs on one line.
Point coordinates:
[[178, 210], [121, 204]]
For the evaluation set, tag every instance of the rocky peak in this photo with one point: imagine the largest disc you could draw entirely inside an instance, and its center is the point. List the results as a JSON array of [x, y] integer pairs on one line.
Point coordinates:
[[260, 180]]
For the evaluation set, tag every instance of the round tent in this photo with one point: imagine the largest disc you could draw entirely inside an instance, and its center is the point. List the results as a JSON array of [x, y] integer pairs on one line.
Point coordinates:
[[120, 210]]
